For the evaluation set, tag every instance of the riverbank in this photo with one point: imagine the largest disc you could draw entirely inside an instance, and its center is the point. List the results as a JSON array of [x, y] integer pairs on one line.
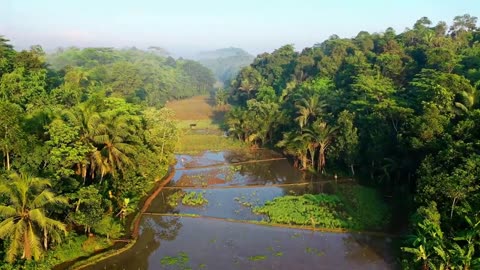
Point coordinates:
[[121, 245]]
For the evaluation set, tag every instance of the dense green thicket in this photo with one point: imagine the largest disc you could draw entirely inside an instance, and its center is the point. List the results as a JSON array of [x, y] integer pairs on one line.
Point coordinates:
[[139, 76], [401, 110], [81, 144]]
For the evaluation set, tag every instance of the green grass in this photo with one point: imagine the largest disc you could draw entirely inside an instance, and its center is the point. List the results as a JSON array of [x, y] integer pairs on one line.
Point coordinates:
[[365, 207], [200, 124], [352, 207], [197, 143]]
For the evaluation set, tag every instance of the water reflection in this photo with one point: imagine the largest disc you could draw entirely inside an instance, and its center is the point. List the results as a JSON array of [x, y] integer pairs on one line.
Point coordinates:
[[233, 203], [219, 244], [225, 245]]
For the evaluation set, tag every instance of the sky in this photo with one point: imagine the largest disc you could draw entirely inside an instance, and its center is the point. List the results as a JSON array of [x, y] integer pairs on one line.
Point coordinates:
[[184, 27]]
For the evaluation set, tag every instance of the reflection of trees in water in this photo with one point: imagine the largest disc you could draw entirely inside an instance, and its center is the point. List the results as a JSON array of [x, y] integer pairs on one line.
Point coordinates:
[[271, 172], [164, 228], [153, 230], [367, 249]]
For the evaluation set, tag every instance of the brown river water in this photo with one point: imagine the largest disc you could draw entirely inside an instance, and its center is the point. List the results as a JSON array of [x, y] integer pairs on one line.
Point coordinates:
[[217, 239]]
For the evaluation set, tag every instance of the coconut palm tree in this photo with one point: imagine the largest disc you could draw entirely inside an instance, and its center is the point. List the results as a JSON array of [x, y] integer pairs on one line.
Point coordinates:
[[308, 109], [296, 145], [323, 135], [115, 141], [24, 216]]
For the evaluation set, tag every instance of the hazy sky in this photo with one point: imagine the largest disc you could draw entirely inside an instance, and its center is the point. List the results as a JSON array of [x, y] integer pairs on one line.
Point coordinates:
[[185, 26]]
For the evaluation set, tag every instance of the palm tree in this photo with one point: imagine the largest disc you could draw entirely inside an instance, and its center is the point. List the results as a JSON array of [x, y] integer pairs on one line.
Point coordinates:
[[116, 141], [25, 218], [296, 145], [234, 120], [111, 137], [323, 136], [308, 109], [87, 119]]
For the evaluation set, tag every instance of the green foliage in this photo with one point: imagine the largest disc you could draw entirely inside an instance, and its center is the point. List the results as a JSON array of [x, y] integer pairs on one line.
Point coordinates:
[[194, 199], [364, 206], [353, 207], [25, 222], [174, 198], [399, 111], [108, 227], [88, 207], [138, 76], [313, 210]]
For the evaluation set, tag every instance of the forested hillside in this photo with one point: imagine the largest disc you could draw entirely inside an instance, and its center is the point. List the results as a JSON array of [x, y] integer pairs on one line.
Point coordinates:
[[225, 63], [397, 110], [139, 76], [82, 140]]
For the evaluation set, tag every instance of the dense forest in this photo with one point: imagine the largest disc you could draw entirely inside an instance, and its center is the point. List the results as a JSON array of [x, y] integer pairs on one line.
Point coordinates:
[[397, 110], [83, 137], [225, 63], [140, 77]]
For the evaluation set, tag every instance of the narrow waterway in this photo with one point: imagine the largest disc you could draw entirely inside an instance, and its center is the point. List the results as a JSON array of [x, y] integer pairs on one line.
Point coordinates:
[[213, 236]]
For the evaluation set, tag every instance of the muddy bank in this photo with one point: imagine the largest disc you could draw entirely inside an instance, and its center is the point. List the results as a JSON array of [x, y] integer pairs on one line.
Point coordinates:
[[132, 226]]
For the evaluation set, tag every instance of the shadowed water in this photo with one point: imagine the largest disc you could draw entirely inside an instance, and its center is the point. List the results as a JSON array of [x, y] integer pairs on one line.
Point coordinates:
[[213, 244]]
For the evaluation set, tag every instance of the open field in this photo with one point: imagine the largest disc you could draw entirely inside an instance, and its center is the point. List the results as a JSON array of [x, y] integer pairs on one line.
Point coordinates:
[[195, 108], [207, 134]]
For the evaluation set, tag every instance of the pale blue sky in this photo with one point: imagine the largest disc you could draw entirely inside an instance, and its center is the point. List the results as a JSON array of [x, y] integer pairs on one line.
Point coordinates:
[[185, 26]]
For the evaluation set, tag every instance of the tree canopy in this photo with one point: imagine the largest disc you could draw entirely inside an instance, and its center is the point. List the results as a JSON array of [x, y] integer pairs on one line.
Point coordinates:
[[398, 110]]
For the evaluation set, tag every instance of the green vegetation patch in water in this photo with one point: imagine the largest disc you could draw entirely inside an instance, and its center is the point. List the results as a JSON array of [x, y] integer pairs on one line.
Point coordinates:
[[308, 209], [181, 260], [194, 199], [352, 207], [187, 198], [257, 258]]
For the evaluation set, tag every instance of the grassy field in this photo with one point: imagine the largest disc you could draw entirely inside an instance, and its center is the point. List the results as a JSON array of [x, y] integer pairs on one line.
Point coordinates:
[[207, 134]]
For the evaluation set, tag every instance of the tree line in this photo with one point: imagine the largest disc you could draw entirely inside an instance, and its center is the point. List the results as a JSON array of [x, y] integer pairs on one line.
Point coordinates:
[[398, 110], [83, 137]]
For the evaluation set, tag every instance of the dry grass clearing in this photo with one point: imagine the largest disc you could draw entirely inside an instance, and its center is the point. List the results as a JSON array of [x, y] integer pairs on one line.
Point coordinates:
[[195, 108], [206, 135]]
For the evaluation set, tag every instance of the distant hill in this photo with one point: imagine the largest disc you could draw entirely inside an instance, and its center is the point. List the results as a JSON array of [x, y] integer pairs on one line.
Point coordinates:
[[225, 63]]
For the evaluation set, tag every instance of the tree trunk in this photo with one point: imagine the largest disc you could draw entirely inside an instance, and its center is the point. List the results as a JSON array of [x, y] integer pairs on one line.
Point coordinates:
[[321, 158], [453, 206], [304, 162], [45, 239], [26, 246], [8, 160], [351, 168], [163, 143], [78, 205], [312, 156]]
